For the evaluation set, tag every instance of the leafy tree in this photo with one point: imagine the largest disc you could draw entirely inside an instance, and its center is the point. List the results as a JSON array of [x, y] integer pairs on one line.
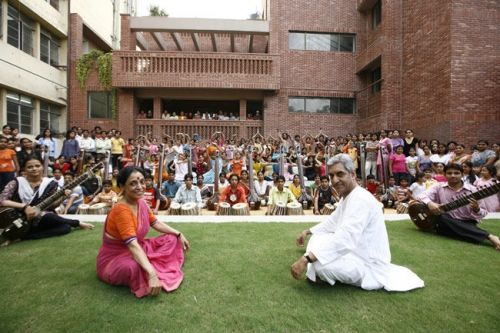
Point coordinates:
[[155, 10]]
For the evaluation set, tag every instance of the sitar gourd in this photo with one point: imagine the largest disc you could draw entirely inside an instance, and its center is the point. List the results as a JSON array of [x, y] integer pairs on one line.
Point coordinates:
[[16, 224], [424, 220], [214, 200], [253, 199]]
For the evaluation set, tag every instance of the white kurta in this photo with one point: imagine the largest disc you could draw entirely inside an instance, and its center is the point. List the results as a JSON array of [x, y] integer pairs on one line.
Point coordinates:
[[352, 247]]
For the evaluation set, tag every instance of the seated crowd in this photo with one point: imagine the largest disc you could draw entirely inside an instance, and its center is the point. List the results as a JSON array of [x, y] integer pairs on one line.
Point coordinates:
[[396, 169]]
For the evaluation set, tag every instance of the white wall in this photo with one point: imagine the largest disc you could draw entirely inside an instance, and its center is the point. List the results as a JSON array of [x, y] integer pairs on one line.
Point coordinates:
[[96, 14]]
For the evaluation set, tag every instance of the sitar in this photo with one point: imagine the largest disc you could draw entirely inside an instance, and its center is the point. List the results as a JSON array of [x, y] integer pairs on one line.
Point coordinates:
[[214, 200], [253, 198], [305, 198], [424, 220], [16, 224]]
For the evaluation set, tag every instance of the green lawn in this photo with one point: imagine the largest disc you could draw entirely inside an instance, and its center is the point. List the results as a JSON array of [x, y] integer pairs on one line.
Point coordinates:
[[237, 280]]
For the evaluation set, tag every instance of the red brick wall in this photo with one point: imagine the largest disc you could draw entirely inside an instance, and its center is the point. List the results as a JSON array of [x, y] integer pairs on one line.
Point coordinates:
[[78, 113], [439, 59], [475, 71], [427, 68], [312, 73]]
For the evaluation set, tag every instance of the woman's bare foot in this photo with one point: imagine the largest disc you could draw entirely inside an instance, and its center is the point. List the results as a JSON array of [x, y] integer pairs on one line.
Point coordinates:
[[495, 241], [87, 226]]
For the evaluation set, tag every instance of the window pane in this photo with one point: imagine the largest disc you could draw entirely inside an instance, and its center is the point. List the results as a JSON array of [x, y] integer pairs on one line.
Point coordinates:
[[13, 31], [27, 38], [295, 104], [296, 41], [54, 53], [334, 106], [44, 48], [12, 114], [318, 42], [334, 42], [99, 105], [319, 105], [346, 106], [346, 43]]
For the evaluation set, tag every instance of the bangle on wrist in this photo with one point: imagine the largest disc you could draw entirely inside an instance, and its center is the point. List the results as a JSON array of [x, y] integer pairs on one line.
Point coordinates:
[[179, 235], [24, 208]]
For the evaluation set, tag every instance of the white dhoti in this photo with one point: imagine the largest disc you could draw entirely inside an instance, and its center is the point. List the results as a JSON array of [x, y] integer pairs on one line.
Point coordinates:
[[352, 268]]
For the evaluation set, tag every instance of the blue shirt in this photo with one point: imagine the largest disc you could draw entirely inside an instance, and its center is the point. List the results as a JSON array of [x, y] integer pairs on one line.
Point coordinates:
[[170, 189]]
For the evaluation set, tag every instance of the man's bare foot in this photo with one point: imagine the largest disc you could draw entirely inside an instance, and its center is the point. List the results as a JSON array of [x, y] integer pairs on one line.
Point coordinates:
[[87, 226], [495, 241]]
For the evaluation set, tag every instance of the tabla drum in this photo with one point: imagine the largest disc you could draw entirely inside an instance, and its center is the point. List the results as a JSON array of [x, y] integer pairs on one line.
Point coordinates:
[[402, 208], [294, 208], [328, 209], [278, 209], [98, 209], [240, 209], [83, 209], [175, 209], [190, 208], [224, 209]]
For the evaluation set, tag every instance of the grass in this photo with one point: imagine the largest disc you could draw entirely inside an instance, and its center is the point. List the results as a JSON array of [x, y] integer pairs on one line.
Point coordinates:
[[237, 280]]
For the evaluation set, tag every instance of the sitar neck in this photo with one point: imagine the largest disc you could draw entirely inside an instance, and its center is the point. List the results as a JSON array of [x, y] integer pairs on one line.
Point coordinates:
[[47, 202], [464, 200]]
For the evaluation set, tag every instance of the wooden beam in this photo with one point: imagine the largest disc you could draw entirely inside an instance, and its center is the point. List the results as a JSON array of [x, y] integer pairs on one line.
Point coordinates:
[[232, 42], [250, 44], [214, 41], [141, 41], [177, 40], [196, 41], [158, 38]]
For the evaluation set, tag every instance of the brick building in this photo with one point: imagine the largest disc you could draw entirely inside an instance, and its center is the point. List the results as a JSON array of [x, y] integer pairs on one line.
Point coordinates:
[[338, 66]]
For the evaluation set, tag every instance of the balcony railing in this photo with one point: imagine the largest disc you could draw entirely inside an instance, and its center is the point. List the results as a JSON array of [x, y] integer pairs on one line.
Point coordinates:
[[204, 128], [195, 70]]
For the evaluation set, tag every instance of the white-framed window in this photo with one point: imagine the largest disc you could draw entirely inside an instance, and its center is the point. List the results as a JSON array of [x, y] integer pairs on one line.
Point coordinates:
[[49, 48], [50, 116], [100, 104], [20, 30], [20, 112]]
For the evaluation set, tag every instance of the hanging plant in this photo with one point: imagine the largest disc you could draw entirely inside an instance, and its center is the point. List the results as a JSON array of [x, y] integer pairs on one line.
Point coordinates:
[[95, 59], [104, 67]]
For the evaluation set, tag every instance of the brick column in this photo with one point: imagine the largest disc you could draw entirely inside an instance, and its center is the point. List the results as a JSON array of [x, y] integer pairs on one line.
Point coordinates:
[[157, 108], [127, 38], [243, 118], [126, 113]]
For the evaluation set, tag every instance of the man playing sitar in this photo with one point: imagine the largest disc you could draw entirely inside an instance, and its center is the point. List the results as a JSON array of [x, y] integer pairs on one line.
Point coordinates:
[[451, 217]]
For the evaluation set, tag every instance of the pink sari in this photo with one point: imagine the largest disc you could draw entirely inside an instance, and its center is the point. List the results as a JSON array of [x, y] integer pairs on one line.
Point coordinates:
[[116, 266]]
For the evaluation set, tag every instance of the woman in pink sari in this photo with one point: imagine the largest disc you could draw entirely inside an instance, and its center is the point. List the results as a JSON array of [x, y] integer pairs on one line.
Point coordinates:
[[126, 257]]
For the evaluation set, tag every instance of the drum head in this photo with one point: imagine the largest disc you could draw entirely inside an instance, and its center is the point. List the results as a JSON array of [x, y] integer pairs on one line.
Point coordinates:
[[188, 206], [175, 205], [280, 204], [83, 206], [293, 205], [98, 205], [240, 205], [329, 206], [224, 205]]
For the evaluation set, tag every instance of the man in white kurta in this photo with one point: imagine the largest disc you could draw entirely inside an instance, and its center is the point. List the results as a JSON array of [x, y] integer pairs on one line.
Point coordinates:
[[351, 246]]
